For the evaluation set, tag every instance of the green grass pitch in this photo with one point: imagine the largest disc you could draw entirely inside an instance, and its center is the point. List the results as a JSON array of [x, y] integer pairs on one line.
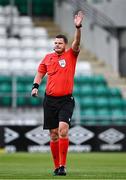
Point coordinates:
[[79, 166]]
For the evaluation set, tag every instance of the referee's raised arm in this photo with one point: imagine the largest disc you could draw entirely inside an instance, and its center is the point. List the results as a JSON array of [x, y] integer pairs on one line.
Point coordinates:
[[78, 24]]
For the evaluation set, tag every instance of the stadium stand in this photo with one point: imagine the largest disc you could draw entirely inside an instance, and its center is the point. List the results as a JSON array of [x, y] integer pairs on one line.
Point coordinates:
[[39, 7], [21, 49], [95, 107]]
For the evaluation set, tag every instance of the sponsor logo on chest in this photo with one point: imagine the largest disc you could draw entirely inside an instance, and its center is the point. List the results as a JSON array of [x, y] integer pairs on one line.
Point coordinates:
[[62, 63]]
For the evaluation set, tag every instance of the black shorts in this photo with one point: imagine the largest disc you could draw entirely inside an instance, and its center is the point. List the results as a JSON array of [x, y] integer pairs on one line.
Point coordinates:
[[57, 109]]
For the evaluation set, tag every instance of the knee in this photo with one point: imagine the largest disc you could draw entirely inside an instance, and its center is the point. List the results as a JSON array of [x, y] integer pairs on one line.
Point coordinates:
[[54, 135], [63, 132]]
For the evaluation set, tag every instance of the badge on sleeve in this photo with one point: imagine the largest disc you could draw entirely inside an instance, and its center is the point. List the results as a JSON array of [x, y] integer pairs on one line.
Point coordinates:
[[62, 62]]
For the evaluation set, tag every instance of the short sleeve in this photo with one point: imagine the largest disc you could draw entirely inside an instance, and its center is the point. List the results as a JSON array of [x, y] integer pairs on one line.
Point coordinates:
[[42, 67], [75, 54]]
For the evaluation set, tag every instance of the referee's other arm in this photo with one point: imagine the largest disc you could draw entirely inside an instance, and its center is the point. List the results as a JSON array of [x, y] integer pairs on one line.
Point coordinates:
[[37, 80]]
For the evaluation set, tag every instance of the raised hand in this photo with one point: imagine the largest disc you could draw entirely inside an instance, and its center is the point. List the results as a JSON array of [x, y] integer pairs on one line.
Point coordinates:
[[78, 18]]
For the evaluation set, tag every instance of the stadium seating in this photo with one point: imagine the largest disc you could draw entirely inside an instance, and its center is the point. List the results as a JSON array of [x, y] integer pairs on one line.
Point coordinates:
[[27, 43], [42, 7], [20, 54], [25, 21], [2, 21], [13, 43], [24, 85], [115, 103], [39, 7], [3, 53], [5, 91], [99, 104], [3, 33], [87, 102], [95, 109], [86, 90], [6, 101], [21, 43]]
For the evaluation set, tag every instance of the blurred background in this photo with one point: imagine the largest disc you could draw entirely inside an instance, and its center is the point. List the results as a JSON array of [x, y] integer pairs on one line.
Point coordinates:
[[27, 30]]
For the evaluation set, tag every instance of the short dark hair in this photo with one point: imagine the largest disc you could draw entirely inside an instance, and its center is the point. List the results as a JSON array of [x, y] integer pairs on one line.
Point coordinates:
[[63, 37]]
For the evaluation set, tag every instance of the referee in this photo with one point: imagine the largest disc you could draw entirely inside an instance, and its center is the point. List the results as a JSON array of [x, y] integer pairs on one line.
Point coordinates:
[[58, 102]]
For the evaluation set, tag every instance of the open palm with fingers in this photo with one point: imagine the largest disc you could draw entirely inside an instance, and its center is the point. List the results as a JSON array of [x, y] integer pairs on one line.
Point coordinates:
[[78, 18]]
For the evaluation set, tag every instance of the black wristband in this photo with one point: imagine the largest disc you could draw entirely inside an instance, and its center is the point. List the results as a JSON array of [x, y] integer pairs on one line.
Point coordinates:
[[79, 26], [35, 85]]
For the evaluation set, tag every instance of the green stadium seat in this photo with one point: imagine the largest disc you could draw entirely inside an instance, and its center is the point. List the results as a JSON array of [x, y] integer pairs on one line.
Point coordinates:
[[87, 102], [106, 112], [22, 101], [5, 91], [88, 116], [101, 102], [21, 2], [24, 83], [23, 10], [25, 79], [24, 87], [101, 91], [21, 87], [22, 6], [38, 11], [90, 112], [5, 88], [76, 90], [28, 88], [5, 101], [4, 79], [118, 117], [103, 116], [35, 101], [115, 92], [99, 80], [42, 89], [117, 113], [85, 80], [115, 103], [39, 7], [4, 2], [86, 90]]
